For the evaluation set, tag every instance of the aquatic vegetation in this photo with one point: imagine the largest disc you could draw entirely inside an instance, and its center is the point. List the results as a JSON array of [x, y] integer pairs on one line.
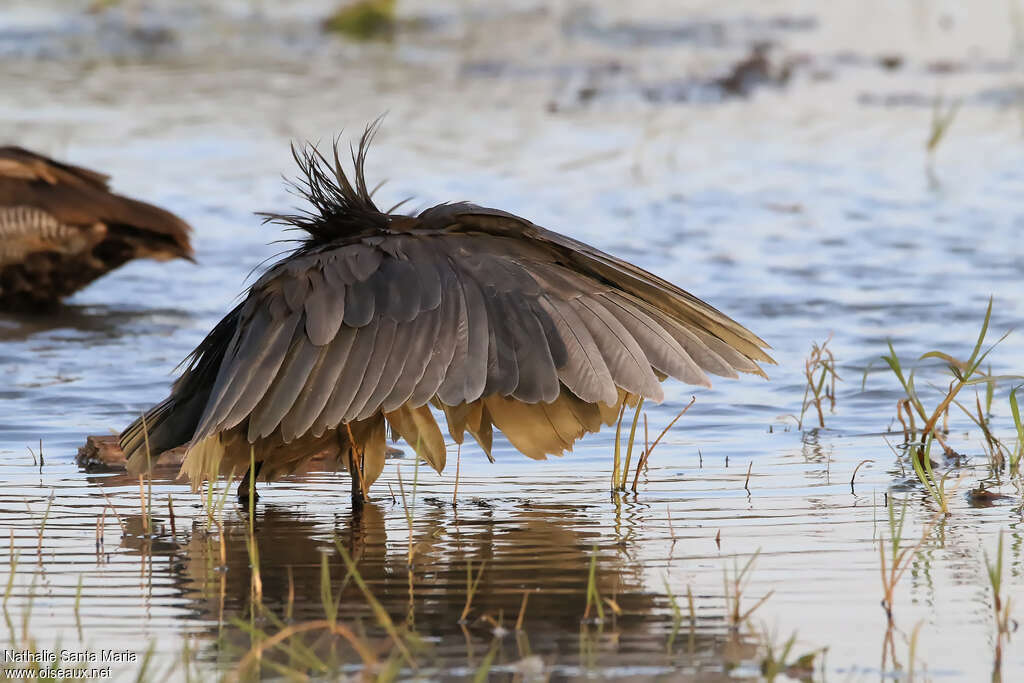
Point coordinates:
[[942, 117], [820, 373], [410, 509], [471, 586], [1001, 604], [853, 477], [1018, 449], [620, 472], [339, 641], [522, 612], [677, 613], [363, 19], [919, 441], [616, 484], [893, 565], [893, 569], [911, 650], [735, 585], [593, 595], [776, 660]]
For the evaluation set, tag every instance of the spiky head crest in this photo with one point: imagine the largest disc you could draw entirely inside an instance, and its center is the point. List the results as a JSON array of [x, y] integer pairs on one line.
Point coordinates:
[[340, 207]]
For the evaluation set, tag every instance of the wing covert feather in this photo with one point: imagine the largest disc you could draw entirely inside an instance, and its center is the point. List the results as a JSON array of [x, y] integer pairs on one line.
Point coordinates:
[[324, 307]]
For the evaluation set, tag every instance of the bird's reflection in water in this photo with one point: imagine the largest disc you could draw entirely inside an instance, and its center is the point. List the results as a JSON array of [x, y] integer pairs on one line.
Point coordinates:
[[543, 552]]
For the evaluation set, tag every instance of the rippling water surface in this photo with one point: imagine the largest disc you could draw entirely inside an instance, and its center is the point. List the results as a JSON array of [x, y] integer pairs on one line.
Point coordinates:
[[802, 209]]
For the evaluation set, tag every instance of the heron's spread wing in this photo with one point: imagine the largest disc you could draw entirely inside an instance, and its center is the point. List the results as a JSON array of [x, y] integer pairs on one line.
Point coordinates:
[[490, 327], [712, 326]]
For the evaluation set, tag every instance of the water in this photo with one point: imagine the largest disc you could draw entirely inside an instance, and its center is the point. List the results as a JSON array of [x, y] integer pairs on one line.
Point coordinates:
[[805, 210]]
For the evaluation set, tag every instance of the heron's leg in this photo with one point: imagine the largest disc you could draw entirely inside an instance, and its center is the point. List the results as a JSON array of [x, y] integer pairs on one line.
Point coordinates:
[[356, 472], [243, 486]]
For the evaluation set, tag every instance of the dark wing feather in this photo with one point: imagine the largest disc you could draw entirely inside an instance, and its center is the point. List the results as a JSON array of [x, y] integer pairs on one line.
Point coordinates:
[[254, 374], [502, 364], [431, 267], [359, 304], [658, 345], [669, 300], [538, 377], [349, 381], [664, 295], [453, 381], [255, 325], [401, 290], [324, 307], [422, 339], [383, 345], [478, 340], [284, 392], [319, 386], [687, 338], [626, 361], [440, 356], [585, 372]]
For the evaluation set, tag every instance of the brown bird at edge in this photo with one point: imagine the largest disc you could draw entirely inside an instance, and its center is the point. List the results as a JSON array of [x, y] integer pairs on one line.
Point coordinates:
[[61, 228], [377, 317]]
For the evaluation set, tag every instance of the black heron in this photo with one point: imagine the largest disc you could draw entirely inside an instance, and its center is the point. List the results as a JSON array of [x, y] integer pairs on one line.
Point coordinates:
[[376, 317], [61, 228]]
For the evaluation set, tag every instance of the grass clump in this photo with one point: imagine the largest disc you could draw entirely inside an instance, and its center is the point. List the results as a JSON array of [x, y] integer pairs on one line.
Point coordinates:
[[820, 372], [620, 470], [919, 441], [363, 19]]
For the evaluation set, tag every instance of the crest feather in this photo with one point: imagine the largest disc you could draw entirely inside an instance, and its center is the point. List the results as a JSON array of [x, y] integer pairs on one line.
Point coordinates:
[[341, 207]]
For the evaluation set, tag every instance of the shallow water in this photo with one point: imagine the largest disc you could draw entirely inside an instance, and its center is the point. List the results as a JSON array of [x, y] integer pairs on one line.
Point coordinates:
[[804, 210]]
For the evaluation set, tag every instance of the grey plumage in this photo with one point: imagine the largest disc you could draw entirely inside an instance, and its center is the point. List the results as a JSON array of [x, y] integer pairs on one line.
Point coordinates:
[[493, 320]]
